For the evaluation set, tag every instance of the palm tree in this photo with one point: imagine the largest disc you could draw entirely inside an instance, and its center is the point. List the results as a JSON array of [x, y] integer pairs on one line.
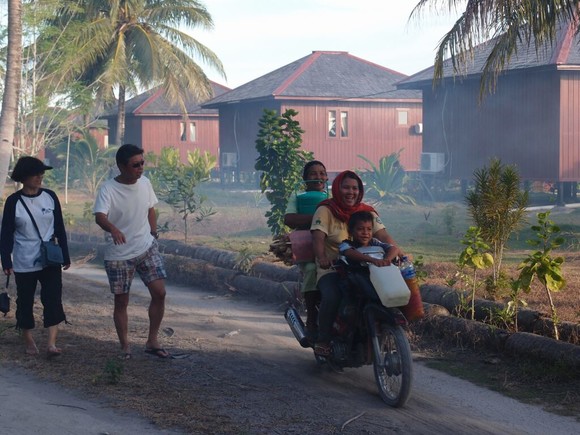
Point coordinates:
[[11, 87], [387, 179], [509, 22], [89, 164], [125, 45], [497, 205]]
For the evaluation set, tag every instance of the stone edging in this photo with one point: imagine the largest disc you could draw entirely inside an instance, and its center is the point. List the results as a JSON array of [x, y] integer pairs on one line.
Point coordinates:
[[268, 282]]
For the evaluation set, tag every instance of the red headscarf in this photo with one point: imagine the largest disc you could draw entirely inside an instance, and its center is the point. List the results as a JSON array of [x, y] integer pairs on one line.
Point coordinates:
[[336, 204]]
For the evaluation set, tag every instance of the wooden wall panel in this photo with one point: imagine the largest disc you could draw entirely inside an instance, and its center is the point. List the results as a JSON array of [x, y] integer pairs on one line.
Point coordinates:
[[570, 127], [372, 132], [161, 132], [519, 124], [239, 131]]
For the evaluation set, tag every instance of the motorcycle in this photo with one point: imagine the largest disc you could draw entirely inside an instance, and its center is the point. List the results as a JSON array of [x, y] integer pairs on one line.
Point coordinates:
[[366, 332]]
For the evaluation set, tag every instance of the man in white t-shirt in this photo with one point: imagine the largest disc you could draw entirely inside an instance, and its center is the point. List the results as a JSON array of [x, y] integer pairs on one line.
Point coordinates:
[[124, 208]]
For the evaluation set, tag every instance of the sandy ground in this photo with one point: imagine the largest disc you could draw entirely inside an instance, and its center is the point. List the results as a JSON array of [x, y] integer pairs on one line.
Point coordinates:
[[245, 373], [242, 372]]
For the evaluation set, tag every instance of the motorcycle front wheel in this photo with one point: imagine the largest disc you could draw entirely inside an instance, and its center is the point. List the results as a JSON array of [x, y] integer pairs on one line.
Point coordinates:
[[393, 365]]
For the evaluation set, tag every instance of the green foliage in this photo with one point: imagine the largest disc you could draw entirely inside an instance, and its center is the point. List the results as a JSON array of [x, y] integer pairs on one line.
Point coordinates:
[[88, 164], [497, 288], [541, 265], [281, 162], [176, 182], [244, 260], [386, 180], [475, 256], [129, 45], [112, 371], [497, 205], [420, 271]]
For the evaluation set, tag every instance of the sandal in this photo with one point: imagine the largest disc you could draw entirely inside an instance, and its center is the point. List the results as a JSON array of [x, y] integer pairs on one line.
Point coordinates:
[[322, 349]]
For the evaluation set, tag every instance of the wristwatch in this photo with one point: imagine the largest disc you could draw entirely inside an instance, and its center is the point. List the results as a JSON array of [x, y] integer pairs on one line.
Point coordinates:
[[155, 234]]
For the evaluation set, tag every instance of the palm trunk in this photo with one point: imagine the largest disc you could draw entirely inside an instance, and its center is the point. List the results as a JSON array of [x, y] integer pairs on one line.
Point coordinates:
[[121, 117], [12, 82]]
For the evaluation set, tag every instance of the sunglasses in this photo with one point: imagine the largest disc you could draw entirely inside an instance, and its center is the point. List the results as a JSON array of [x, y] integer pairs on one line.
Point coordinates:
[[138, 164]]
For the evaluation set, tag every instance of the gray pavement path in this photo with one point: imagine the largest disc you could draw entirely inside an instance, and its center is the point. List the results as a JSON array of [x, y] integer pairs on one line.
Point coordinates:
[[30, 406]]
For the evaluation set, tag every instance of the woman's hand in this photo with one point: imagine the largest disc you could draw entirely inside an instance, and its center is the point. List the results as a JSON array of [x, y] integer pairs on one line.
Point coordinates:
[[394, 252], [324, 262]]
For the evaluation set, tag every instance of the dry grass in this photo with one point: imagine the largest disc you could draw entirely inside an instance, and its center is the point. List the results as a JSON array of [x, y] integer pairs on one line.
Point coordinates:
[[566, 301]]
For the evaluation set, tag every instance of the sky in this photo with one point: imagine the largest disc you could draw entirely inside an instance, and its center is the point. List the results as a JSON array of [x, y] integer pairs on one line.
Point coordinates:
[[255, 37]]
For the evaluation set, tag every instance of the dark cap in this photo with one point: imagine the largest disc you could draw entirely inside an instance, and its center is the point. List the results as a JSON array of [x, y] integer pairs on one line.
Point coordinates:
[[26, 167]]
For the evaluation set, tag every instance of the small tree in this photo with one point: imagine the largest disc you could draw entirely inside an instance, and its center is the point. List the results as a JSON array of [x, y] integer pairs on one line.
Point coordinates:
[[387, 179], [176, 182], [541, 265], [281, 161], [474, 257], [497, 205]]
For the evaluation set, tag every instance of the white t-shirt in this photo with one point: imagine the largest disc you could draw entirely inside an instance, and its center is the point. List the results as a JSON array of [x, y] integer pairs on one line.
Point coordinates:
[[26, 241], [127, 207]]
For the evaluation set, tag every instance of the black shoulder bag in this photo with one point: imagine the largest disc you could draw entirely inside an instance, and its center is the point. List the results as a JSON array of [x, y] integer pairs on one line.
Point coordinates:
[[50, 251], [5, 299]]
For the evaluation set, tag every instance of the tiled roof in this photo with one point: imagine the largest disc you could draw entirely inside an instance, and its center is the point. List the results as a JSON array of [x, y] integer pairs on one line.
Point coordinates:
[[564, 51], [322, 75], [153, 102]]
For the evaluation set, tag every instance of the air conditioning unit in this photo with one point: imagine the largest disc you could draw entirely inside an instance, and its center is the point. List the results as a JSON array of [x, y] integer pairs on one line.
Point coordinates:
[[419, 128], [229, 160], [432, 162]]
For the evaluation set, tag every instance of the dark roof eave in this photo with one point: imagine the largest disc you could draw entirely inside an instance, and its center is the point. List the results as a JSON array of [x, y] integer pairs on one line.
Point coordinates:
[[348, 99], [421, 84], [302, 98], [172, 115], [219, 104]]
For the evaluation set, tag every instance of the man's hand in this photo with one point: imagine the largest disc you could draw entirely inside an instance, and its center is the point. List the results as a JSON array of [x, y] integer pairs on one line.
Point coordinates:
[[118, 237]]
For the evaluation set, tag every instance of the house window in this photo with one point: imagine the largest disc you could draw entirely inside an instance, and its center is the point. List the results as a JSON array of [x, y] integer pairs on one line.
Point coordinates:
[[402, 117], [182, 134], [343, 124], [192, 131], [332, 123]]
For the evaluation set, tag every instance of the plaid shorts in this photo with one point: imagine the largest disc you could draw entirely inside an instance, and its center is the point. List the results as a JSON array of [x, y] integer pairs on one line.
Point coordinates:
[[149, 266]]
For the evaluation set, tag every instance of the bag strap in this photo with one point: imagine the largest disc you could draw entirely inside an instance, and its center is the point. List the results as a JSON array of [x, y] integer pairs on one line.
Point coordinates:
[[31, 218]]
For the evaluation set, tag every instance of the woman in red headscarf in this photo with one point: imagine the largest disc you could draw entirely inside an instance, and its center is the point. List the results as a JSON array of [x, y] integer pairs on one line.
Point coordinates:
[[329, 228]]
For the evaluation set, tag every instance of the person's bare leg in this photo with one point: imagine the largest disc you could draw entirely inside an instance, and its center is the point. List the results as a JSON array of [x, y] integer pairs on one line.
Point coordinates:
[[51, 344], [31, 348], [121, 319], [156, 312]]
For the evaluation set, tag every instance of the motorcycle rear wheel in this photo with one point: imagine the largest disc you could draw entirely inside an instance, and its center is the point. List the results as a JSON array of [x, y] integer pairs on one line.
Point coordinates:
[[393, 366]]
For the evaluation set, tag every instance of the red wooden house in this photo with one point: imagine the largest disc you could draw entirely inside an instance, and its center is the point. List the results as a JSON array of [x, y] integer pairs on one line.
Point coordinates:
[[531, 120], [346, 106], [152, 123]]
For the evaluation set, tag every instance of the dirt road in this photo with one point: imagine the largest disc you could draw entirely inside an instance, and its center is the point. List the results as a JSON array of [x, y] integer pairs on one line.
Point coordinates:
[[245, 364]]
